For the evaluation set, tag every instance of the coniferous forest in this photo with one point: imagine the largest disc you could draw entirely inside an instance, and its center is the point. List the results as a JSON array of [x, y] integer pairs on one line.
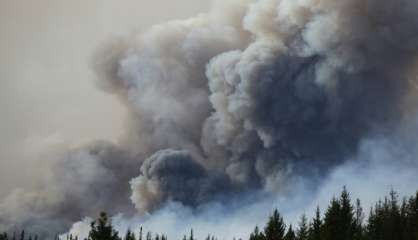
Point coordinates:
[[344, 219]]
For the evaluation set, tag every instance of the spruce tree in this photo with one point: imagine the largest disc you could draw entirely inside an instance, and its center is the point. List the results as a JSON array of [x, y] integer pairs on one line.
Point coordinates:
[[303, 230], [395, 220], [412, 218], [129, 235], [275, 229], [316, 226], [358, 225], [347, 222], [290, 235], [373, 223], [404, 219], [331, 227], [257, 235], [102, 229], [140, 234], [4, 236]]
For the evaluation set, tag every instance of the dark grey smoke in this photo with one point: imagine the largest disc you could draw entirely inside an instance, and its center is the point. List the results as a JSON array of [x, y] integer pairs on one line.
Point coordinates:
[[174, 175], [251, 96]]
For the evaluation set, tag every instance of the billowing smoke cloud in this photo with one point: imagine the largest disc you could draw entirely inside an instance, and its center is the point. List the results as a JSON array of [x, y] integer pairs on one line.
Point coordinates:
[[83, 182], [174, 175], [246, 103]]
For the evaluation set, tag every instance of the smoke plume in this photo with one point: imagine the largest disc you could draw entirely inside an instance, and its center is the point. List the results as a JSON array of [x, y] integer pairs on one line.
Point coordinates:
[[246, 104]]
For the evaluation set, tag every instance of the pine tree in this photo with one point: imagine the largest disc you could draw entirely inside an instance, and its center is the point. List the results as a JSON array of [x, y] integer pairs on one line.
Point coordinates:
[[275, 229], [395, 220], [102, 229], [140, 234], [412, 218], [388, 220], [358, 222], [372, 227], [404, 219], [303, 230], [4, 236], [257, 235], [290, 235], [129, 235], [347, 222], [316, 226], [331, 227]]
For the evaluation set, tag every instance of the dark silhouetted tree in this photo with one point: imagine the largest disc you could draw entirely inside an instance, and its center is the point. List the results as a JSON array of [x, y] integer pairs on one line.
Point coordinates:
[[330, 229], [302, 232], [129, 235], [102, 229], [4, 236], [346, 221], [257, 235], [315, 229], [358, 224], [290, 234], [275, 228], [140, 234]]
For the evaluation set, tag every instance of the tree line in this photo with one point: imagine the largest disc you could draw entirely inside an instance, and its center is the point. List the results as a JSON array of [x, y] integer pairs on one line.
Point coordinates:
[[344, 219], [389, 219]]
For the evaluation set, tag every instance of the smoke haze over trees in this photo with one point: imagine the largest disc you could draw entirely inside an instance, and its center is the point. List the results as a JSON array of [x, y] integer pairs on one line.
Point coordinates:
[[344, 219]]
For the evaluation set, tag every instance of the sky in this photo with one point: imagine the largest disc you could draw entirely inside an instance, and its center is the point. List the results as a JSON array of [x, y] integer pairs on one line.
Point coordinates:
[[47, 89]]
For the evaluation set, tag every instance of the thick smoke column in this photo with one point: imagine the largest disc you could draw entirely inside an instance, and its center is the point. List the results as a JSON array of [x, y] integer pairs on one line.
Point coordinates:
[[303, 93], [243, 99]]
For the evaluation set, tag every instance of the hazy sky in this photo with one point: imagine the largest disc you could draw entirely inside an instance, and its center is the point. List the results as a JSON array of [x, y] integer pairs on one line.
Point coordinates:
[[47, 91]]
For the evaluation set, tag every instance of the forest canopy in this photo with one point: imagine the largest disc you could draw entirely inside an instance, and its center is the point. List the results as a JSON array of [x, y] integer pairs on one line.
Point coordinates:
[[344, 219]]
